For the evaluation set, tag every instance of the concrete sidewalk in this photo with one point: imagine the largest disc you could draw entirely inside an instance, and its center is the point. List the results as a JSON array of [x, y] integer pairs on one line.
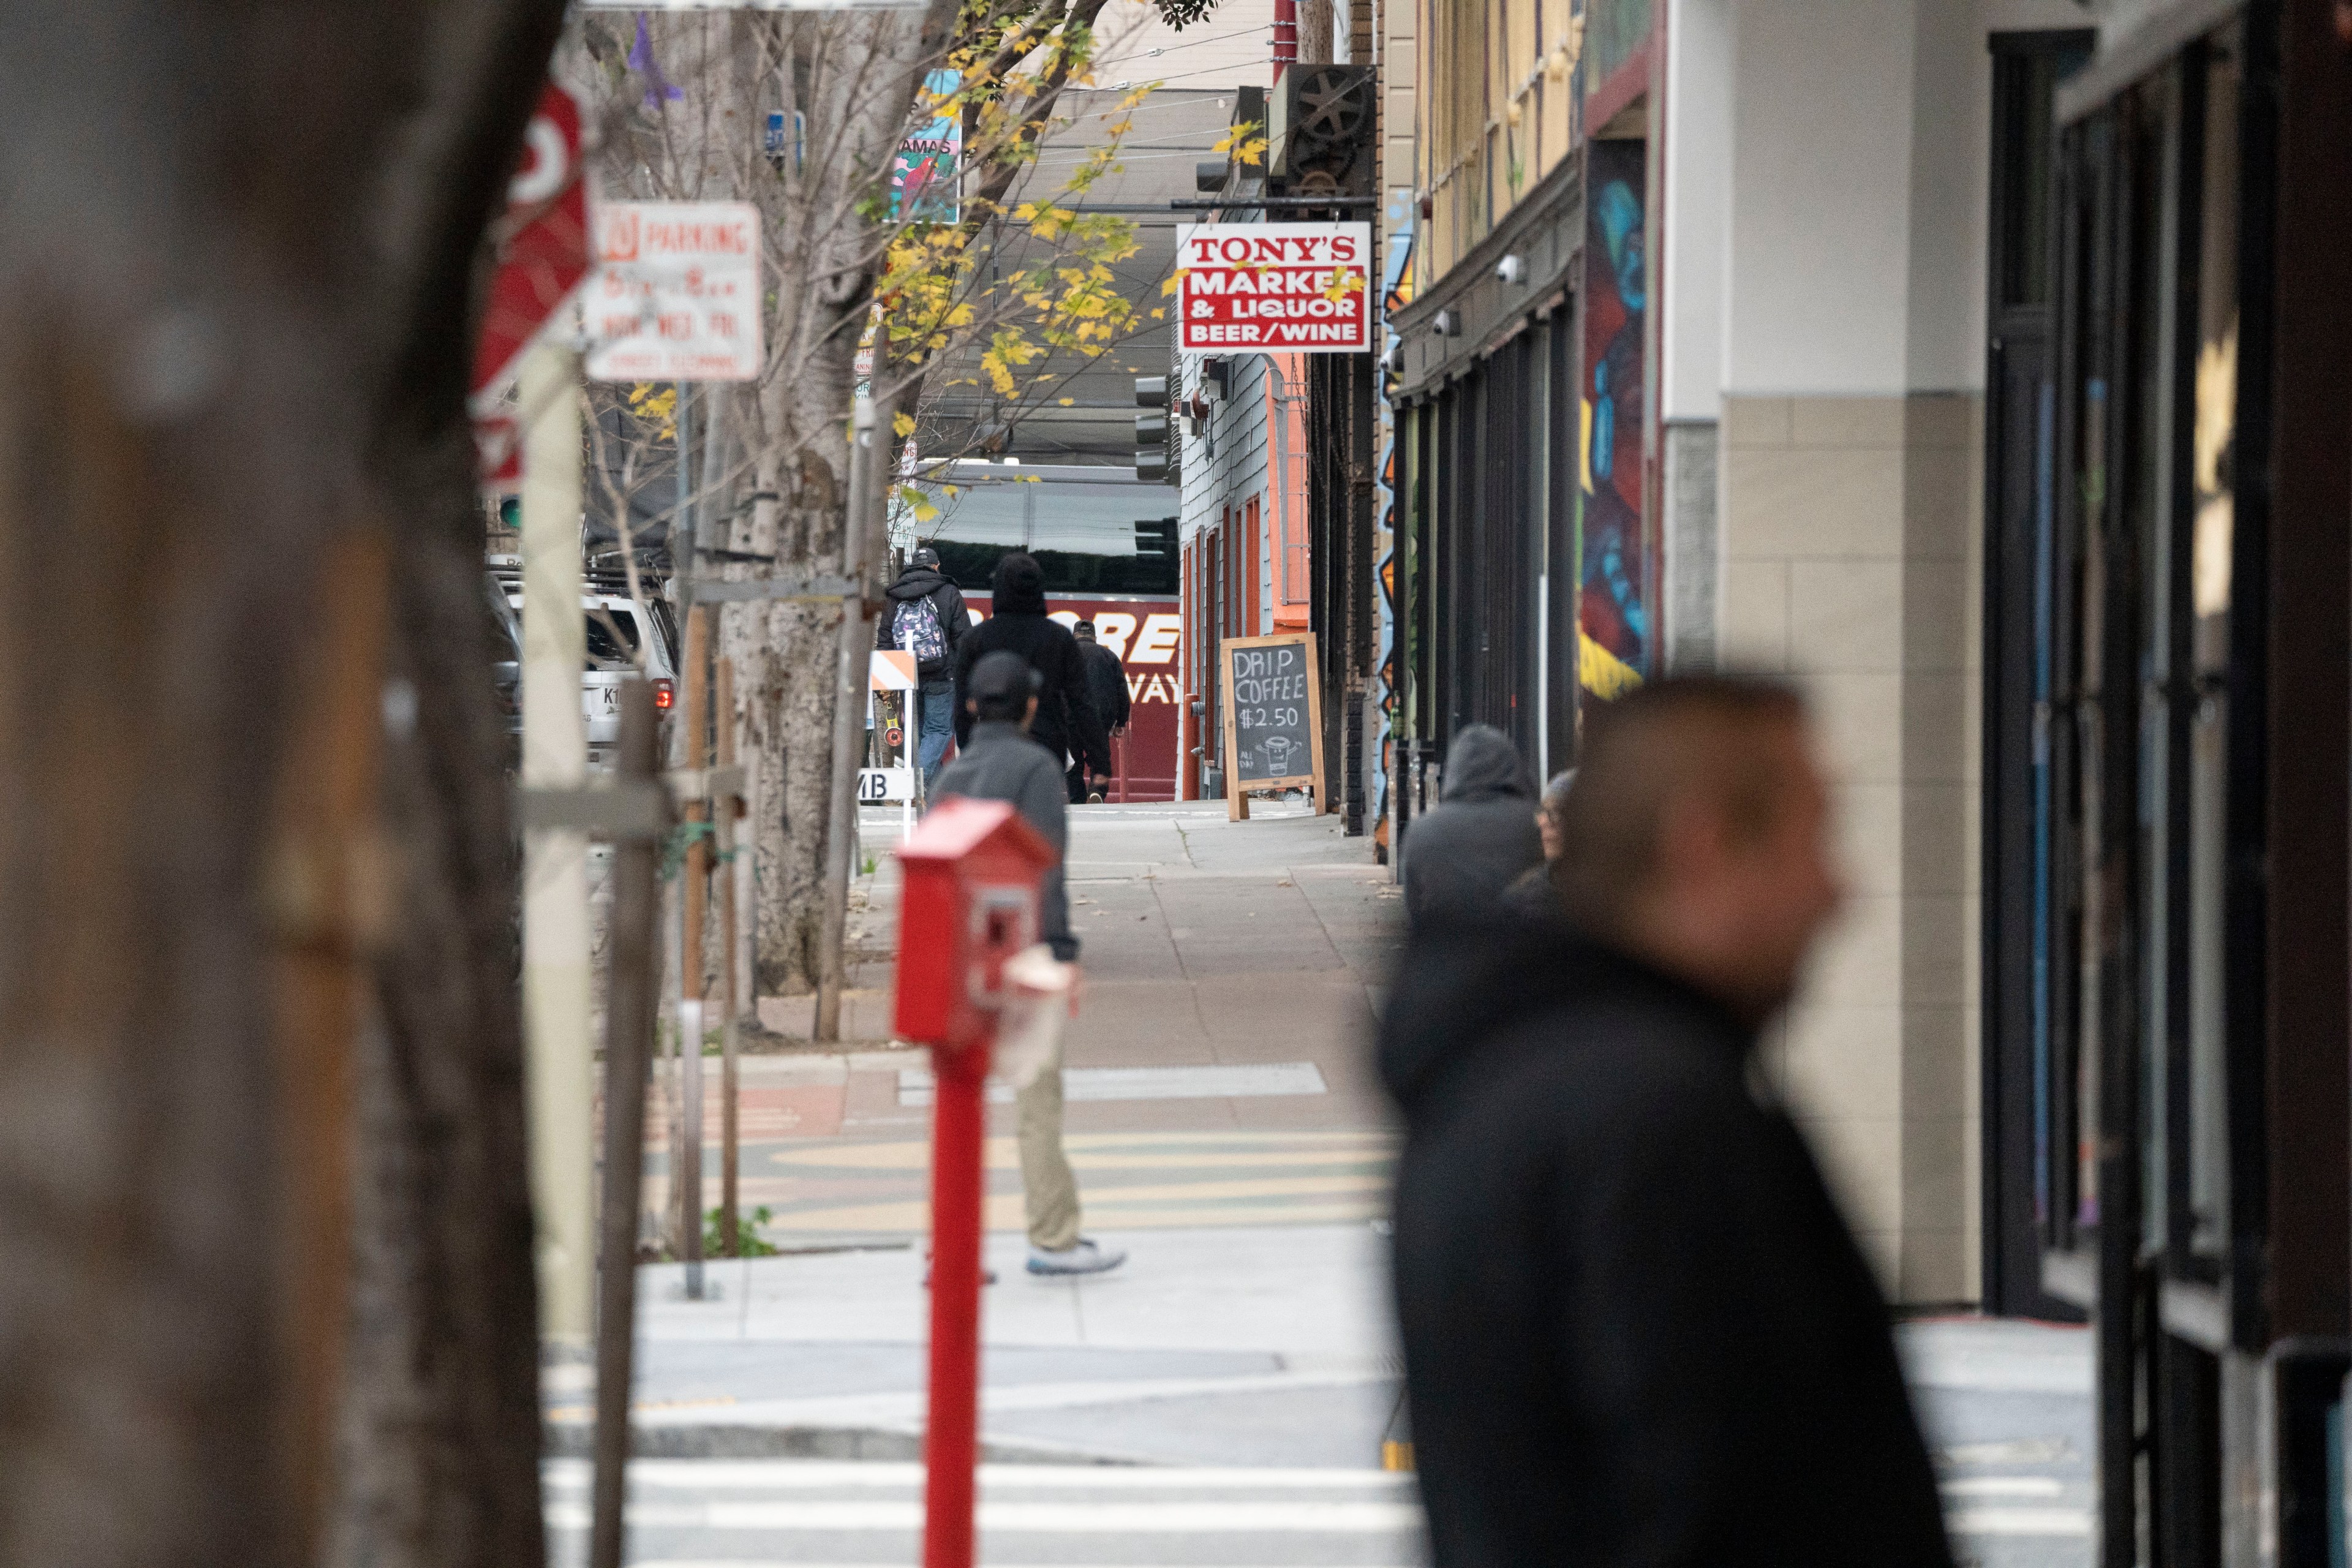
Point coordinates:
[[1228, 1129], [1220, 1070], [1250, 1346], [1237, 1347], [1153, 898]]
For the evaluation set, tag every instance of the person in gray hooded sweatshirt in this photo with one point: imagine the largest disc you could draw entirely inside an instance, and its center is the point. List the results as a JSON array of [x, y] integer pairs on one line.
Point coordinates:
[[1461, 858]]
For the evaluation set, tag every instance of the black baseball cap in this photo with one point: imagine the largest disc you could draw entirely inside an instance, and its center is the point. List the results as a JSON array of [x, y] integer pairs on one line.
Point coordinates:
[[926, 556], [1002, 681]]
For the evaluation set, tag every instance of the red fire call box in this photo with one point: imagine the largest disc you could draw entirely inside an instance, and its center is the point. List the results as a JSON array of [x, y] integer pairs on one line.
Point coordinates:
[[970, 903]]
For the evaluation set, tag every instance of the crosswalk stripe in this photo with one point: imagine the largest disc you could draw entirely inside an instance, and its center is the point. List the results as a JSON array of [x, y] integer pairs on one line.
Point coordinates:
[[1220, 1517], [724, 1475], [2003, 1486], [2020, 1521], [1230, 1081]]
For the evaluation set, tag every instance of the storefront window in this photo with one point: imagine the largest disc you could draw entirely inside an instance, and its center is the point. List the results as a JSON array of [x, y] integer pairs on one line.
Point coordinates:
[[2153, 514], [2211, 541]]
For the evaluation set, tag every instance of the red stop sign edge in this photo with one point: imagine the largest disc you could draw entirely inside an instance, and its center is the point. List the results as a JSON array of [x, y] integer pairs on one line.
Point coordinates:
[[545, 257]]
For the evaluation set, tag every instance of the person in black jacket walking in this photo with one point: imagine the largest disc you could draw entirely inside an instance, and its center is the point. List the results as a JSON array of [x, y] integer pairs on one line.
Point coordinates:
[[1106, 684], [926, 617], [1066, 723], [1636, 1329]]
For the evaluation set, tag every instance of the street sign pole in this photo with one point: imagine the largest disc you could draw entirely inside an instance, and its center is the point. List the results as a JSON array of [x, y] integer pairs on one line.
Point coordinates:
[[555, 933]]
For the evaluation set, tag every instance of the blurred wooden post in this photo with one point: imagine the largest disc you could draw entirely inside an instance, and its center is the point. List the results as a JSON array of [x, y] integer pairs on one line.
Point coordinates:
[[728, 811], [629, 1015]]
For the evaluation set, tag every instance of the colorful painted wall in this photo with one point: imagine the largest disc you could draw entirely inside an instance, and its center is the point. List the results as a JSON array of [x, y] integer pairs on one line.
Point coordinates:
[[1617, 614]]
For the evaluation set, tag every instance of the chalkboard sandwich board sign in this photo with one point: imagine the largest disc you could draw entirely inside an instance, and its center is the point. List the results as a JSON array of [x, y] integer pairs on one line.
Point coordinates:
[[1273, 718]]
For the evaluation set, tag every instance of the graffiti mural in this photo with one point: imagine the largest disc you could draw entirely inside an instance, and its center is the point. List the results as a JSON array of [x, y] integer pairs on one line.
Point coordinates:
[[1396, 292], [1613, 31], [926, 178], [1614, 611]]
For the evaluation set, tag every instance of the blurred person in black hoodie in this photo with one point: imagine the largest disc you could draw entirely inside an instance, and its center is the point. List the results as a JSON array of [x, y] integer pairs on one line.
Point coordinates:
[[1106, 684], [1636, 1329], [1066, 723]]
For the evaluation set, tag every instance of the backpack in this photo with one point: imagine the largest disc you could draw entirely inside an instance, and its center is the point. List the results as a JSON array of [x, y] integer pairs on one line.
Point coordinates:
[[915, 627]]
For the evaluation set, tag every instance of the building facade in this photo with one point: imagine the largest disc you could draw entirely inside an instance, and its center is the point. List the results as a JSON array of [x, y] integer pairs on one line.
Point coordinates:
[[1979, 366], [2167, 601]]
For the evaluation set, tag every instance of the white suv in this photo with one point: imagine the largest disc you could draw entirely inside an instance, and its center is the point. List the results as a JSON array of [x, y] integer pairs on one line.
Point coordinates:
[[611, 661]]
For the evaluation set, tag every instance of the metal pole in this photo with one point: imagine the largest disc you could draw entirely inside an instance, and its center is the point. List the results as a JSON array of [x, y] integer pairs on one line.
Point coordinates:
[[952, 1435], [683, 560], [696, 901], [851, 681], [730, 1217], [561, 1072], [630, 1008]]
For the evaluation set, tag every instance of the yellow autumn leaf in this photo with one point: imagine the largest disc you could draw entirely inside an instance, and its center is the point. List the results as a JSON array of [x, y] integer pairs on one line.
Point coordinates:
[[904, 424]]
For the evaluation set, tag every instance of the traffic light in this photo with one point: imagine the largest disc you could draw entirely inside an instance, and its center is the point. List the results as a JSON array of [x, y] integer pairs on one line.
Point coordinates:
[[1155, 539], [1151, 428]]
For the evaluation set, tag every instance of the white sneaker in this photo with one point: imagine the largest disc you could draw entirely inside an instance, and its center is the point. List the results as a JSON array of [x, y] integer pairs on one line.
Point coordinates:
[[1084, 1258]]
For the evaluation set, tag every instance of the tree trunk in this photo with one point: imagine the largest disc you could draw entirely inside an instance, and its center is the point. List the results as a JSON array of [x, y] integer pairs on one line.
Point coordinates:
[[265, 1289], [859, 74]]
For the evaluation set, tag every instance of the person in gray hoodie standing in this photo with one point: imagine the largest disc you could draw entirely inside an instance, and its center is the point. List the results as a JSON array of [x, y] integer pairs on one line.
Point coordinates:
[[1462, 858], [999, 760]]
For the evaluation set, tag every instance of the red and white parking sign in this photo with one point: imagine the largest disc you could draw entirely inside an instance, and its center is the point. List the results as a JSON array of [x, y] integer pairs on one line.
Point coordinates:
[[677, 292], [1296, 287]]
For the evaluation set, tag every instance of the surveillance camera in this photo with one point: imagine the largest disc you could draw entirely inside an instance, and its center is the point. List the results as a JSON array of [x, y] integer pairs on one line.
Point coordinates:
[[1511, 269]]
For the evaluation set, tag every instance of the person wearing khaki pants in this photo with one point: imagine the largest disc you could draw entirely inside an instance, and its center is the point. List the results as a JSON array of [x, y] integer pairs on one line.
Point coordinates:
[[1002, 762], [1049, 1189]]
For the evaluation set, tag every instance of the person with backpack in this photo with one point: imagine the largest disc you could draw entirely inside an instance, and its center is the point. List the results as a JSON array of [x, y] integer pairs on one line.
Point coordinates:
[[927, 618]]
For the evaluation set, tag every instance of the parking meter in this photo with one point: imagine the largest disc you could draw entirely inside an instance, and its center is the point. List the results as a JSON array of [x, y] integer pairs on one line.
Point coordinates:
[[968, 903]]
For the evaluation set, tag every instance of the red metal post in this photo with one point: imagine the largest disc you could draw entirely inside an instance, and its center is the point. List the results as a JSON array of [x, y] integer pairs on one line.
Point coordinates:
[[951, 1440], [1285, 36]]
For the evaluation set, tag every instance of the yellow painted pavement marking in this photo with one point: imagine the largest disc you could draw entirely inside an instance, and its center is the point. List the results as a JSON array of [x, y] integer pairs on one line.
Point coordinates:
[[1003, 1214], [1240, 1177], [1098, 1153]]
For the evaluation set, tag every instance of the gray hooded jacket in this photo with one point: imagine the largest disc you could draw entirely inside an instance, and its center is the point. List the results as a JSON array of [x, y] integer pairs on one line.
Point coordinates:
[[1002, 762], [1461, 858]]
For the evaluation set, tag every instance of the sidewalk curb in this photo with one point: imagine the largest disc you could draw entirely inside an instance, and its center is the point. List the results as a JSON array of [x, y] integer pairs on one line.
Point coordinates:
[[705, 1440]]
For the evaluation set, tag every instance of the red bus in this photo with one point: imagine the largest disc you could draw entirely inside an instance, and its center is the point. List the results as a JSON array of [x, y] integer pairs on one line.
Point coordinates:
[[1108, 543]]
